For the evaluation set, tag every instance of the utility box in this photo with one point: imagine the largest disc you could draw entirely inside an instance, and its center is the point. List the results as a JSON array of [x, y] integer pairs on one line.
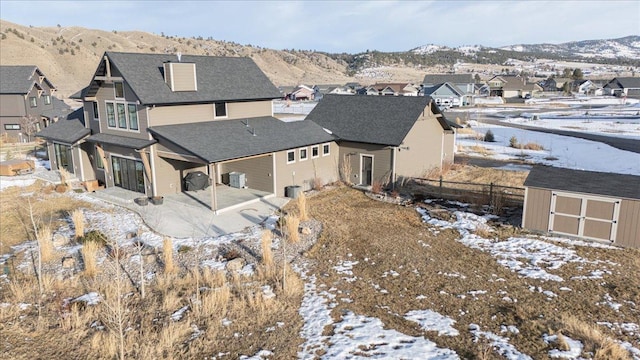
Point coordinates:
[[237, 179], [293, 191]]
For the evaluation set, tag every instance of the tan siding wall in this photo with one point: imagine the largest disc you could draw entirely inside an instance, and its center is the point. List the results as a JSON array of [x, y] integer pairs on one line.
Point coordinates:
[[537, 211], [600, 209], [426, 143], [12, 105], [323, 167], [628, 233], [382, 160], [597, 229], [119, 151], [258, 172], [566, 224], [449, 147], [242, 110], [169, 174], [180, 114]]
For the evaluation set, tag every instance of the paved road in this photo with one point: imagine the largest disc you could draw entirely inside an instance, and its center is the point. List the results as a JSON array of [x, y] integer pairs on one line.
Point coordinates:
[[616, 142]]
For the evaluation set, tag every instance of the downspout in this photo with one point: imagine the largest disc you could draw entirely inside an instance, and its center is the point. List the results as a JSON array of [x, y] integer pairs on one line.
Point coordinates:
[[393, 167]]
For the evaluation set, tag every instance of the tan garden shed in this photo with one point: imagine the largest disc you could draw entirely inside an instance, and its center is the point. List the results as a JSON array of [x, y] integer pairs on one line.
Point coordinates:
[[585, 204]]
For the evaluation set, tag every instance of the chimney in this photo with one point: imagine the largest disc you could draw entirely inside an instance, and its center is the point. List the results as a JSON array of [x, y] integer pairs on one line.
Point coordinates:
[[180, 76]]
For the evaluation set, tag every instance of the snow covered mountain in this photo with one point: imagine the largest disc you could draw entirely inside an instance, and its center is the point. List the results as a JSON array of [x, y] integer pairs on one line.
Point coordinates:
[[626, 47]]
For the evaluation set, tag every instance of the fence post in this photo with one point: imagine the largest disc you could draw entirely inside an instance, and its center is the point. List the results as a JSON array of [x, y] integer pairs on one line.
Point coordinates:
[[440, 187], [490, 193]]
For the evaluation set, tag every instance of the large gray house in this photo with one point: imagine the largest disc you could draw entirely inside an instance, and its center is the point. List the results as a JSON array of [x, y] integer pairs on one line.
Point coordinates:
[[152, 119]]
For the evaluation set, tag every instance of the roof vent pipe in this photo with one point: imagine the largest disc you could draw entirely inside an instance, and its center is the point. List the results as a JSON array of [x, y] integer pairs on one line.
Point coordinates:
[[179, 54]]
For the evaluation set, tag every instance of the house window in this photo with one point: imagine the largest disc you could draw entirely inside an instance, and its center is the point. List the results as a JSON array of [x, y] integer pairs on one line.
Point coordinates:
[[133, 117], [315, 151], [119, 90], [221, 109], [303, 154], [99, 163], [122, 116], [325, 149], [47, 99], [111, 115], [12, 126], [95, 111], [291, 156], [33, 101]]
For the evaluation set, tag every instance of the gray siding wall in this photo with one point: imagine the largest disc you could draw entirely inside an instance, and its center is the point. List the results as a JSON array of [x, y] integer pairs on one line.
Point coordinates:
[[303, 173], [258, 172], [628, 233], [107, 93], [12, 105], [109, 151], [86, 156], [538, 205], [382, 160]]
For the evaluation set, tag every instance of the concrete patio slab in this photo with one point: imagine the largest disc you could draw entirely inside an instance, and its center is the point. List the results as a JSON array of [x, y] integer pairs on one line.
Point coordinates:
[[180, 218]]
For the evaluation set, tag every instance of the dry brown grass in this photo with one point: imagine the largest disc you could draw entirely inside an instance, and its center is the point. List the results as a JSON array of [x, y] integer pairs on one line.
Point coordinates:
[[167, 256], [90, 258], [481, 150], [45, 243], [292, 224], [376, 187], [593, 339], [317, 183], [266, 242], [65, 176], [532, 146], [77, 217], [301, 203], [466, 131]]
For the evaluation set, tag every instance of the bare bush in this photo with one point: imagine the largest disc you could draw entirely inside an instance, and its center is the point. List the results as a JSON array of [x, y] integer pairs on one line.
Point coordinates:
[[266, 242], [45, 243], [89, 257], [167, 256], [77, 217], [301, 203], [317, 184], [376, 187], [292, 224]]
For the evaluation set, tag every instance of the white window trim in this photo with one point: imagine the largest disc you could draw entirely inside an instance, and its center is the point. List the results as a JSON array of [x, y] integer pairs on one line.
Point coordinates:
[[126, 116], [294, 156], [322, 149], [226, 110], [306, 150], [317, 147]]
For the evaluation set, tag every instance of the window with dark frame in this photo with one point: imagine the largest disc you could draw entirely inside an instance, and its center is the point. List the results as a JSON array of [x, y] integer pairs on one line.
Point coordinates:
[[291, 156], [325, 149], [99, 163], [12, 126], [303, 154], [221, 109], [47, 99], [119, 90], [96, 115], [315, 151], [122, 116], [33, 101]]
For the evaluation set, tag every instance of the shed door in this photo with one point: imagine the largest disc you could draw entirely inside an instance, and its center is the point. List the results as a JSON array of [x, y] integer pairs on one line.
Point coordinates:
[[585, 216]]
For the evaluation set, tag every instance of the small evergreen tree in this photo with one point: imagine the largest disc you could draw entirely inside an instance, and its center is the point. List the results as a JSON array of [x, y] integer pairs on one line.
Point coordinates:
[[489, 137]]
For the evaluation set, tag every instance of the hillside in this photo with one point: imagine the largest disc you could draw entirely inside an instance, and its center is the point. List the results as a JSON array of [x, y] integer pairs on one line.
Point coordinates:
[[68, 56]]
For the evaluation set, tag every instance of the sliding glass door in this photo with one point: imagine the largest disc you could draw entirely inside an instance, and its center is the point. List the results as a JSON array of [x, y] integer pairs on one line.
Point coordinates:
[[63, 157], [128, 174]]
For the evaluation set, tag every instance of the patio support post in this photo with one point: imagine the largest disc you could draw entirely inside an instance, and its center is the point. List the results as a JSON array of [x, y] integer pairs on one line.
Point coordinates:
[[212, 178]]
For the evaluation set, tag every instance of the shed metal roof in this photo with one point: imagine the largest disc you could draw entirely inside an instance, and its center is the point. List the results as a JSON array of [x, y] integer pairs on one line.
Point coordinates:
[[581, 181]]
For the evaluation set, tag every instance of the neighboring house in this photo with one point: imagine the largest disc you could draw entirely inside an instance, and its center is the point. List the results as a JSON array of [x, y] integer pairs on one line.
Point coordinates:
[[464, 82], [549, 85], [445, 95], [302, 92], [585, 204], [583, 86], [384, 138], [510, 86], [367, 90], [396, 89], [150, 119], [27, 102], [623, 86]]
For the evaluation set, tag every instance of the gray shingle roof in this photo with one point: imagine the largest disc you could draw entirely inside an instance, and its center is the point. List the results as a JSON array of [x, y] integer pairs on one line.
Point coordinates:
[[67, 130], [215, 141], [218, 78], [60, 109], [125, 141], [590, 182], [384, 120], [629, 82], [431, 89], [451, 78], [16, 79]]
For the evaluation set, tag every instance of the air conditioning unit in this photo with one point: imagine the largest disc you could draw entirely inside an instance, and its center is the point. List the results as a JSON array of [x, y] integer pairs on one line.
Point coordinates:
[[237, 179]]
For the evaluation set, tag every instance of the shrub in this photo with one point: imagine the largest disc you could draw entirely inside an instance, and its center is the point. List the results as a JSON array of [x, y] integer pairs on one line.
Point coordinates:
[[301, 202], [89, 252], [167, 256], [267, 254], [489, 137], [317, 183], [292, 224], [45, 243], [93, 236], [77, 217], [533, 146], [376, 187], [513, 142]]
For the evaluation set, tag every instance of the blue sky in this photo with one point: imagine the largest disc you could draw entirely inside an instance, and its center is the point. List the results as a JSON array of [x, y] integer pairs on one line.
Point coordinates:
[[345, 26]]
